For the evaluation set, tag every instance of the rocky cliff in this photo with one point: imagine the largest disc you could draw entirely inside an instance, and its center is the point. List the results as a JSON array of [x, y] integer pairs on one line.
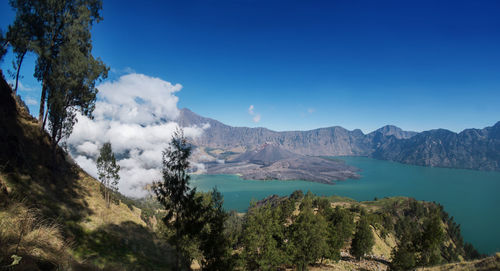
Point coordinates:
[[323, 141], [470, 149]]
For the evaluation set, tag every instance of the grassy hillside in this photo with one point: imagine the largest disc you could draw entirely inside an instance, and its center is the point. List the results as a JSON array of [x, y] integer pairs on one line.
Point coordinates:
[[52, 213]]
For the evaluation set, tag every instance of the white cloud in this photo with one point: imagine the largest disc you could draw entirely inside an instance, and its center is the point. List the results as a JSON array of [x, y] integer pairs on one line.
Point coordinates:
[[256, 118], [137, 98], [87, 164], [88, 148], [136, 113]]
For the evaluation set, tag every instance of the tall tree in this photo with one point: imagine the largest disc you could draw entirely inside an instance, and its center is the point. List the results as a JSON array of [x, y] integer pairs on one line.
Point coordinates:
[[262, 239], [215, 244], [59, 34], [340, 228], [363, 240], [108, 171], [307, 238], [184, 210], [72, 86], [431, 241]]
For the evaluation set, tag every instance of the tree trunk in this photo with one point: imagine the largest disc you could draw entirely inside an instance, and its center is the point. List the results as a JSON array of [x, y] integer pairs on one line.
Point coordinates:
[[42, 107], [45, 118], [20, 61]]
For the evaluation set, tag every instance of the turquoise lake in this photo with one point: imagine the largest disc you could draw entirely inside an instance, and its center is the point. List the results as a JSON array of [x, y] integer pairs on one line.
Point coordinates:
[[471, 197]]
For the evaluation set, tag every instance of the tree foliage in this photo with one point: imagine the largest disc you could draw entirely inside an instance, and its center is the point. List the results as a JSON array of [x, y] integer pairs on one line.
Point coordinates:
[[215, 244], [430, 241], [184, 209], [423, 240], [363, 240], [58, 32], [307, 238], [107, 169], [263, 239], [3, 45], [340, 228]]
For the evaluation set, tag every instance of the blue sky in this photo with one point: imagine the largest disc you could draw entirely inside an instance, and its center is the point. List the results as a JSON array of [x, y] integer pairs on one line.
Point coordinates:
[[307, 64]]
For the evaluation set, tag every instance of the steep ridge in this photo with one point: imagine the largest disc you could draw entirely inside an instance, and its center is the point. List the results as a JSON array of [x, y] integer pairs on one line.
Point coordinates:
[[469, 149], [52, 213], [323, 141]]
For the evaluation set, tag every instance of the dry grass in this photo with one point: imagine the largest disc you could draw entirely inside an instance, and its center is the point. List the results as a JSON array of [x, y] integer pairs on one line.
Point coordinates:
[[101, 215], [383, 246], [24, 233]]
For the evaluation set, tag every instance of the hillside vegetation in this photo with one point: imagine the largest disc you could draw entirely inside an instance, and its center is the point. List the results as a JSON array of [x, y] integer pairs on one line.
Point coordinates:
[[52, 213], [405, 234]]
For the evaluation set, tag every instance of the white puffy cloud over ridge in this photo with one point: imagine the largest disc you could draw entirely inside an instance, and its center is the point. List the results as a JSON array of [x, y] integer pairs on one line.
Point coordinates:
[[136, 113]]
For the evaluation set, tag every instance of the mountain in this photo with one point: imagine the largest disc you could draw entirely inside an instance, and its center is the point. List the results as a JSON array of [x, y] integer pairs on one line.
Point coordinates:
[[470, 149], [272, 162], [319, 142]]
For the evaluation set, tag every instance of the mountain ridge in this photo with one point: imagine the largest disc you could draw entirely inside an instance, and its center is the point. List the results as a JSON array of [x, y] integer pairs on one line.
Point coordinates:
[[470, 149]]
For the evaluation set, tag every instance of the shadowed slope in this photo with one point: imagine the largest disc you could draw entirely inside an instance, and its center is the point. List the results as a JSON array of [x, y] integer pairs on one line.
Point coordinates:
[[43, 191]]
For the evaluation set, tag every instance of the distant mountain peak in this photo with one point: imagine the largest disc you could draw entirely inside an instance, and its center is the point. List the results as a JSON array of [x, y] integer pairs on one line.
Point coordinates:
[[391, 130]]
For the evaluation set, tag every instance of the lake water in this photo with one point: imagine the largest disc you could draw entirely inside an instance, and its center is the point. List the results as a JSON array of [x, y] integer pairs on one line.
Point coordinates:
[[471, 197]]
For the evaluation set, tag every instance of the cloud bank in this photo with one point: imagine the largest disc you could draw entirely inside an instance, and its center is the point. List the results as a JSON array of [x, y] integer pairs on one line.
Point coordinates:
[[136, 113]]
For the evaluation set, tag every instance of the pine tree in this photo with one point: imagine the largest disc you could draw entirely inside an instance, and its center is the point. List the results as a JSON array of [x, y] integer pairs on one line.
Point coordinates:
[[363, 240], [340, 228], [307, 238], [215, 245], [107, 170], [184, 209], [403, 257], [431, 241]]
